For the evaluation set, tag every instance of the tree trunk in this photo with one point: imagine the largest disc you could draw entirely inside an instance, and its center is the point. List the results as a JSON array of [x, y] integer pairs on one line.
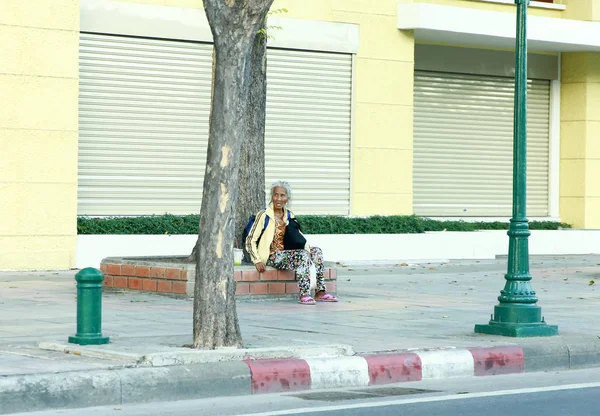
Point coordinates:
[[193, 257], [234, 24], [251, 194]]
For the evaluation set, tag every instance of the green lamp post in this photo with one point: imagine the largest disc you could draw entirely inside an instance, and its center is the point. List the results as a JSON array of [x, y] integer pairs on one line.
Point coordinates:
[[517, 314]]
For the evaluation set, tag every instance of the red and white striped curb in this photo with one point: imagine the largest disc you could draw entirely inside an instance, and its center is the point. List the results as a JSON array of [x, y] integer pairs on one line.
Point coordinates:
[[281, 375]]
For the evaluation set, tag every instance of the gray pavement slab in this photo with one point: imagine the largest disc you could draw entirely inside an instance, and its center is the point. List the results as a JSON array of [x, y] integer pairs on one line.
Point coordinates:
[[382, 308]]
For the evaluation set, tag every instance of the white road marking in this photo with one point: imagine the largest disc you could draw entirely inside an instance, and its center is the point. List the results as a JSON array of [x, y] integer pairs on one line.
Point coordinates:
[[328, 373], [425, 400]]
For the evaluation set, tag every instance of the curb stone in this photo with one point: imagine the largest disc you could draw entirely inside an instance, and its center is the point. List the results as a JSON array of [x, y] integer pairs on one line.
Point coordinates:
[[272, 376], [114, 387], [275, 375], [188, 356]]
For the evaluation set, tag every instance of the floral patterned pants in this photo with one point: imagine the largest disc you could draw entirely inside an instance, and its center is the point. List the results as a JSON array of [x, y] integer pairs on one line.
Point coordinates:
[[300, 261]]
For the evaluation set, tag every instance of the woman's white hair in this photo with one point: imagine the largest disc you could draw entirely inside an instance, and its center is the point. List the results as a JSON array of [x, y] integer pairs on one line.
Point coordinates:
[[285, 185]]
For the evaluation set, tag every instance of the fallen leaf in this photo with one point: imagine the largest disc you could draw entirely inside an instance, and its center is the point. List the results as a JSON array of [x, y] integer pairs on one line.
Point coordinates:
[[404, 265], [592, 282]]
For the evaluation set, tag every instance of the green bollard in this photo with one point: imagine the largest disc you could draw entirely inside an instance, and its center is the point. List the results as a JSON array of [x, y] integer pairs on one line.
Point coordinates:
[[89, 308]]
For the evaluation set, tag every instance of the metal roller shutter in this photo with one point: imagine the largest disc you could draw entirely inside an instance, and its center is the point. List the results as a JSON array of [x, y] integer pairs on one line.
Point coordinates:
[[307, 140], [463, 134], [143, 126]]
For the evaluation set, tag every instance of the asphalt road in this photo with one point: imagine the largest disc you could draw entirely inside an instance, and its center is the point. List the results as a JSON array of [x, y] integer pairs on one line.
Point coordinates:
[[569, 393], [576, 401]]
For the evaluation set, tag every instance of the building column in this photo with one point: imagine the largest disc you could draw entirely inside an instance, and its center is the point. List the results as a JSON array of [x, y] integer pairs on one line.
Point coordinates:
[[580, 140], [382, 151], [38, 133]]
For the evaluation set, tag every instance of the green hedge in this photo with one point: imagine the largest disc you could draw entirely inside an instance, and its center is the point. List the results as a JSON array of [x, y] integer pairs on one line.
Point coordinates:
[[311, 224]]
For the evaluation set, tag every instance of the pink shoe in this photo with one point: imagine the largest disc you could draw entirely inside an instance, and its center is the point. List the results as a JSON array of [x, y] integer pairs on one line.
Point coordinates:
[[326, 298], [306, 300]]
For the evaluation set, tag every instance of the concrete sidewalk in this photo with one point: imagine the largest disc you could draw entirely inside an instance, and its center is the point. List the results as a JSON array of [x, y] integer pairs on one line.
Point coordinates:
[[421, 316]]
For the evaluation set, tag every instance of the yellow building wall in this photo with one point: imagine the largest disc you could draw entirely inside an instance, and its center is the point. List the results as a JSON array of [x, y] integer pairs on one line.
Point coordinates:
[[580, 128], [194, 4], [580, 140], [578, 9], [495, 7], [38, 130], [38, 133]]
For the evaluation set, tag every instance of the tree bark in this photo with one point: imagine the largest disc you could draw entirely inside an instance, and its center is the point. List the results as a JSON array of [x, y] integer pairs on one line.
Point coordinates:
[[234, 24], [251, 193], [193, 257]]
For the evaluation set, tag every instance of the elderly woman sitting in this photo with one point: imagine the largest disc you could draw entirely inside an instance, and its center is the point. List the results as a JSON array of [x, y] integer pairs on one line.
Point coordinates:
[[275, 240]]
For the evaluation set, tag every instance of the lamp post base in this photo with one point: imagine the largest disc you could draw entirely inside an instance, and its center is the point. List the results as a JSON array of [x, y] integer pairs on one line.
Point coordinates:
[[505, 329], [517, 320], [88, 340]]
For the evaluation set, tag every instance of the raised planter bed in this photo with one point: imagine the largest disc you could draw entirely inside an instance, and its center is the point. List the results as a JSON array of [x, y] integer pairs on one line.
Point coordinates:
[[173, 275]]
